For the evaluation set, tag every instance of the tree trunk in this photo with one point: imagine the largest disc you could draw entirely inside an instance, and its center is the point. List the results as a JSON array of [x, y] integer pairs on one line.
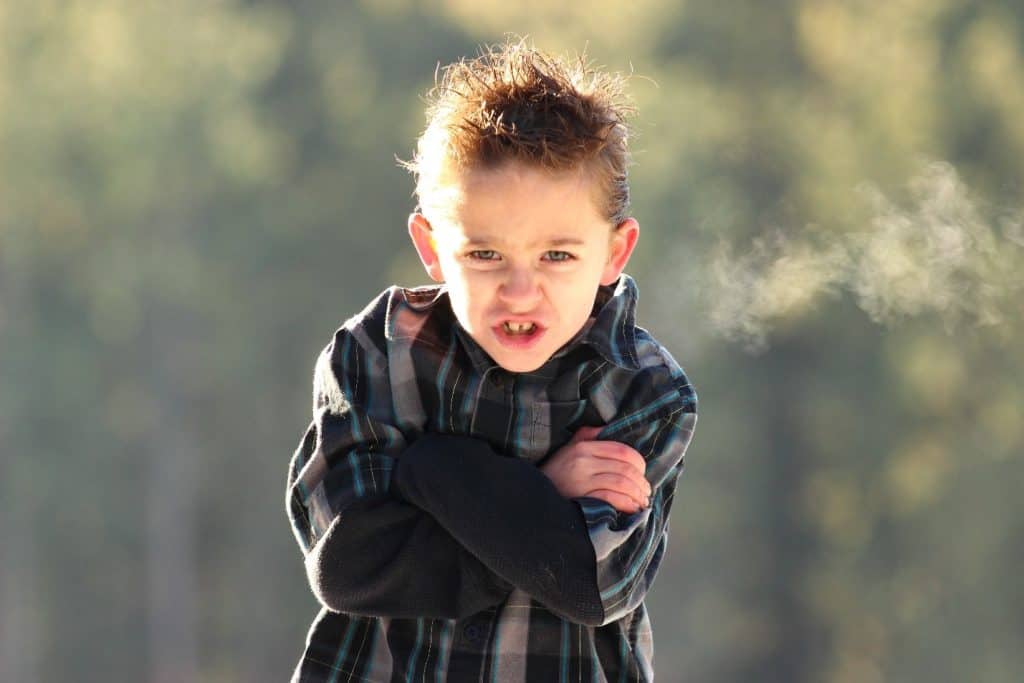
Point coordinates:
[[172, 585]]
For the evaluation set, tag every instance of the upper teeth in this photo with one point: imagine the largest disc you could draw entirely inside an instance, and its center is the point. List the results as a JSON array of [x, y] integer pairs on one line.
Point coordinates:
[[518, 327]]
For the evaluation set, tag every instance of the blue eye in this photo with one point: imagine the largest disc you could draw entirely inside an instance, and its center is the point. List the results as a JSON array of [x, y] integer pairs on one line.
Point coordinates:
[[484, 255], [555, 255]]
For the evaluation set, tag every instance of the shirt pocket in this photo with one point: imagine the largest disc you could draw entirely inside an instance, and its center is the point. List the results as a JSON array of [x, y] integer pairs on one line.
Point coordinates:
[[552, 425]]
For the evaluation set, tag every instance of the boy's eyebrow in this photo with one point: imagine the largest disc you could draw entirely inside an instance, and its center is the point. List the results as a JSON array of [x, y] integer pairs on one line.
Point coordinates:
[[566, 242]]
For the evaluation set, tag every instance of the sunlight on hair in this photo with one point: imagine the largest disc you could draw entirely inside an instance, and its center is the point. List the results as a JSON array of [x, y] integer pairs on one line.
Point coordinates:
[[514, 102]]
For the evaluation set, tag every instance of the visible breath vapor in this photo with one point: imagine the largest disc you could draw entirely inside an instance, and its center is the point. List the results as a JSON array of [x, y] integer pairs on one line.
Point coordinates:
[[939, 255]]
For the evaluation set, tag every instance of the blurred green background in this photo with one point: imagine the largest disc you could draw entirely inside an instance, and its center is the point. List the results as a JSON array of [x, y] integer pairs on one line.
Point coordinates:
[[194, 195]]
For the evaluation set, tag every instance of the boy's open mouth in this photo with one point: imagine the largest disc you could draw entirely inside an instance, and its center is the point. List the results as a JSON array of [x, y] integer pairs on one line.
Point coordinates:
[[520, 335], [518, 328]]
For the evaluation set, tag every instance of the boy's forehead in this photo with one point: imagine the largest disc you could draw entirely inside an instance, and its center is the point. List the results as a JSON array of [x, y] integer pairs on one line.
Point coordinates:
[[519, 205], [527, 235]]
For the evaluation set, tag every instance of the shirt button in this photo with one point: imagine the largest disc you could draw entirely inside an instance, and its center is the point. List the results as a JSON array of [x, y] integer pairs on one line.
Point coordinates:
[[497, 378], [471, 633]]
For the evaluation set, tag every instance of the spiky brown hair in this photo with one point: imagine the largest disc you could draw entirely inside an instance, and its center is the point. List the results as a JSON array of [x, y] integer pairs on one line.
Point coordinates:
[[516, 103]]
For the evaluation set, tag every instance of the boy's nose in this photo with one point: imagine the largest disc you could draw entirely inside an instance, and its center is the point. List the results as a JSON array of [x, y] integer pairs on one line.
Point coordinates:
[[519, 289]]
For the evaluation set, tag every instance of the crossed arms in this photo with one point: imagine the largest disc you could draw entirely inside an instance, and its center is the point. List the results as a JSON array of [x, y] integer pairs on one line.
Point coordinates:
[[444, 527]]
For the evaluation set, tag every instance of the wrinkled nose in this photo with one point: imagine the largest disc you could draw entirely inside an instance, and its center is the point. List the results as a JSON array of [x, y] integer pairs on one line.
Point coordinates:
[[519, 290]]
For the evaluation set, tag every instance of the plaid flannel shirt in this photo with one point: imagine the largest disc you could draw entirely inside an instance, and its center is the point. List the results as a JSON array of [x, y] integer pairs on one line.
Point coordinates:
[[438, 548]]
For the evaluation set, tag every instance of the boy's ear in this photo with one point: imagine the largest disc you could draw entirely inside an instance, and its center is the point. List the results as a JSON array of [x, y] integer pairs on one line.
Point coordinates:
[[423, 239], [623, 240]]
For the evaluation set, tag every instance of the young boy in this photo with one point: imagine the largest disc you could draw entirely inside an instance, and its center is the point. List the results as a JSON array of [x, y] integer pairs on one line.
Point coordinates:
[[484, 490]]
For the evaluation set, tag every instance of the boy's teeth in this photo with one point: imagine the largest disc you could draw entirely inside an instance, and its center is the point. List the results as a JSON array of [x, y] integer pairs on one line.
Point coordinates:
[[518, 328]]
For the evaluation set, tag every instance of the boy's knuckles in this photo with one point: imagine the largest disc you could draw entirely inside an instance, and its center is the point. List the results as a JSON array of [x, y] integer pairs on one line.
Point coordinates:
[[614, 480], [623, 486], [625, 468]]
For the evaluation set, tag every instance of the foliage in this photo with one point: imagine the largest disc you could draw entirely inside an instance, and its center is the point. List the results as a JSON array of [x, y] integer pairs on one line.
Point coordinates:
[[194, 195]]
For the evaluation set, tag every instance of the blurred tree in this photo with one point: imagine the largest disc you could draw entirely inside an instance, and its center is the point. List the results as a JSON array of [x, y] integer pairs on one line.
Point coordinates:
[[193, 197]]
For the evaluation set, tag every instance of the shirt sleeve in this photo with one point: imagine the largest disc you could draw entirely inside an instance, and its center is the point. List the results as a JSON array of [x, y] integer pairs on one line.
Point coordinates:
[[367, 552], [580, 558], [507, 513], [657, 420]]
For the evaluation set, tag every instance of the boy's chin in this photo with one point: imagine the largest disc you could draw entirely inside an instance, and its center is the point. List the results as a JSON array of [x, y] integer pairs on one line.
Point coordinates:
[[517, 362]]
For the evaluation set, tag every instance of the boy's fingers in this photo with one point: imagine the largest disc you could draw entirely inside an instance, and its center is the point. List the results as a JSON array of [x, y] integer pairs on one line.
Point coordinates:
[[620, 469], [598, 465], [637, 490], [613, 450]]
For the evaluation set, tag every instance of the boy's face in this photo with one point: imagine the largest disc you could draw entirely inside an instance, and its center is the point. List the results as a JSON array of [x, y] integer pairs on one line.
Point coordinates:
[[523, 252]]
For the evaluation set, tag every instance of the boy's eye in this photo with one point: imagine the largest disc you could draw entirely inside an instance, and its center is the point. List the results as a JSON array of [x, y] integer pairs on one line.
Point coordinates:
[[555, 255], [483, 254]]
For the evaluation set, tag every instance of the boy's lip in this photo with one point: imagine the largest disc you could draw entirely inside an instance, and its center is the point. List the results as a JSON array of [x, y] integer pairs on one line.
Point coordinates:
[[518, 319], [521, 341]]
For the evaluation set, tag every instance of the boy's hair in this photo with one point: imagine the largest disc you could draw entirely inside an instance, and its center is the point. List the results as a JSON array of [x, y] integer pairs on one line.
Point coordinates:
[[515, 103]]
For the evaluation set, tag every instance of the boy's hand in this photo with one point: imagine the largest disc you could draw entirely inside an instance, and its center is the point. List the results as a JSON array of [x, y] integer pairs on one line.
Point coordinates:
[[609, 470]]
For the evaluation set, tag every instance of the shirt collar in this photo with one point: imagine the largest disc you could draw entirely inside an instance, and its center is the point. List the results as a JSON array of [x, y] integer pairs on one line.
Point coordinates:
[[610, 330]]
